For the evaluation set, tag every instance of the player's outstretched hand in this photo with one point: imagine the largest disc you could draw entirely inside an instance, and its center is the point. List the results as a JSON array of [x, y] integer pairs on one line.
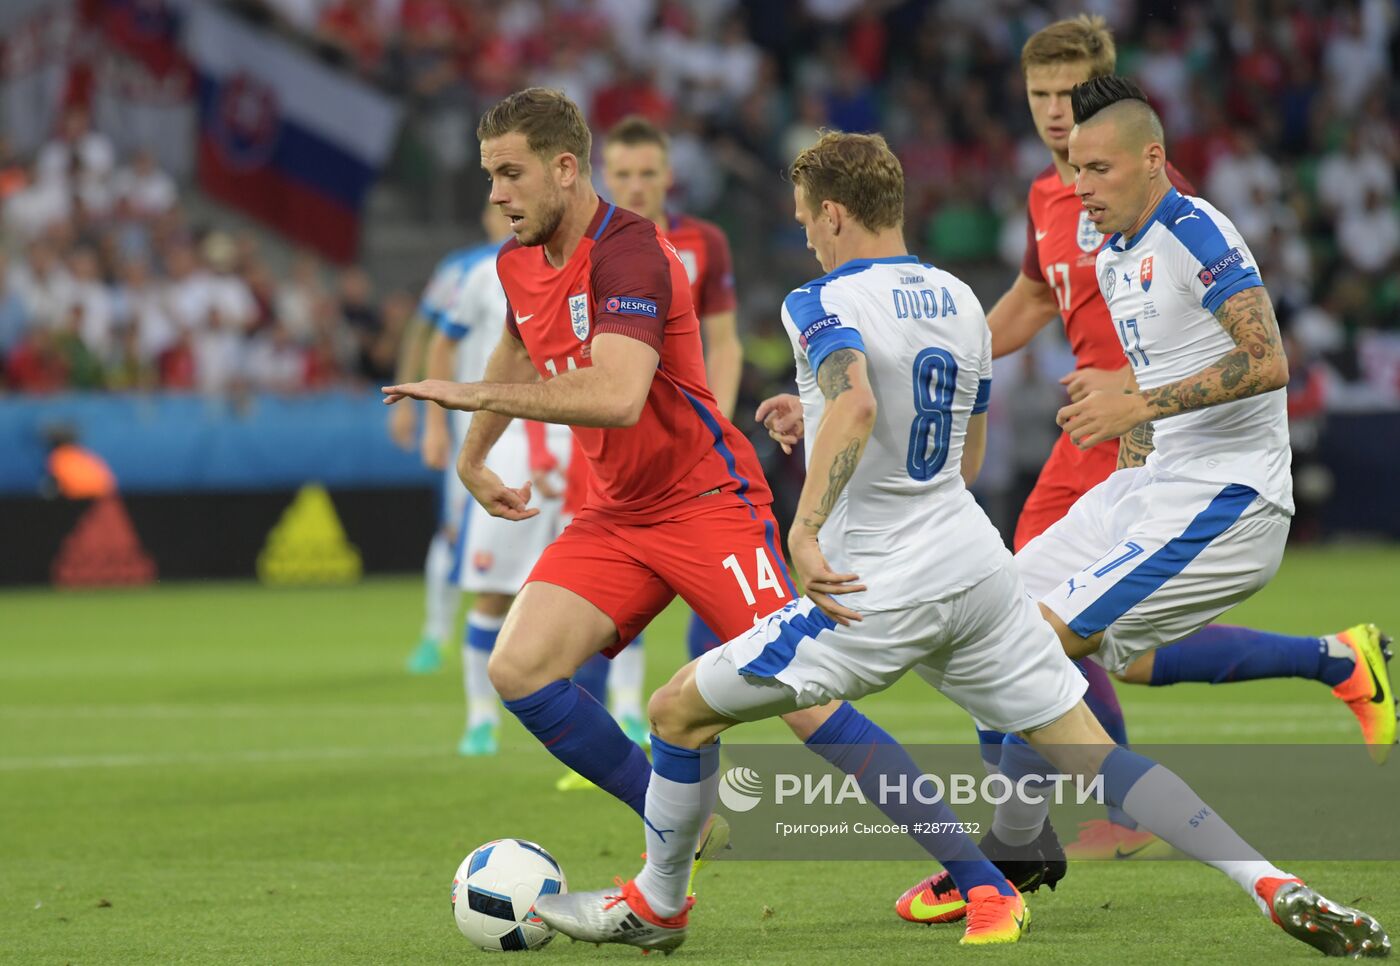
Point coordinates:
[[495, 497], [449, 395], [1102, 415], [1081, 382], [781, 415], [820, 582]]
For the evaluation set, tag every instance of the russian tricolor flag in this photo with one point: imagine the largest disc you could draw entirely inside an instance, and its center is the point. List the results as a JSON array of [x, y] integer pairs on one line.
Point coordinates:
[[290, 140]]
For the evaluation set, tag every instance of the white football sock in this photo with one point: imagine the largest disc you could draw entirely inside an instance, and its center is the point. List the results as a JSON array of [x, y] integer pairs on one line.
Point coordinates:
[[626, 680], [1165, 805], [1018, 822], [680, 797], [482, 705], [440, 593]]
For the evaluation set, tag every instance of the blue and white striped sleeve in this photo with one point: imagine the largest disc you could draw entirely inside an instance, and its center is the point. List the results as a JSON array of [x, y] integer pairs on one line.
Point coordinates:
[[984, 374], [822, 323], [1216, 260]]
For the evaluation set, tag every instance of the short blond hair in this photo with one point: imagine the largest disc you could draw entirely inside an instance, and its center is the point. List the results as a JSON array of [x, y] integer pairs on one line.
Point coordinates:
[[1082, 38], [858, 171], [552, 124], [634, 130]]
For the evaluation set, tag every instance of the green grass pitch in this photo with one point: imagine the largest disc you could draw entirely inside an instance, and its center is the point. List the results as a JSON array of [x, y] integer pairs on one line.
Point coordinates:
[[228, 774]]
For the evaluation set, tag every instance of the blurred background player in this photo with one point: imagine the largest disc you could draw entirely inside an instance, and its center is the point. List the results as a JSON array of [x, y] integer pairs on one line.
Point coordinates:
[[441, 594], [492, 557], [637, 174]]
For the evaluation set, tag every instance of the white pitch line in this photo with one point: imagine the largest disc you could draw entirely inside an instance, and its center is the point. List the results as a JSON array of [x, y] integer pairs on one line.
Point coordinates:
[[51, 762], [1167, 734], [229, 711]]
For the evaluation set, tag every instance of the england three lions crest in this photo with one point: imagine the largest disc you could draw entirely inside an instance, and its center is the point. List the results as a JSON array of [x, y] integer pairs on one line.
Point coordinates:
[[578, 314], [1089, 237]]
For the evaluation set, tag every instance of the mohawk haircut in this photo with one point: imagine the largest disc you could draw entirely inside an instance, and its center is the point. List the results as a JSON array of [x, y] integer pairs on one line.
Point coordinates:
[[1098, 93]]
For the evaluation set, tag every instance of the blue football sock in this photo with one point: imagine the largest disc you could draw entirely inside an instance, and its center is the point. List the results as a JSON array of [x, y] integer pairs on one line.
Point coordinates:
[[579, 732], [1102, 700], [860, 747], [699, 638], [482, 632], [593, 678], [1220, 653], [989, 744]]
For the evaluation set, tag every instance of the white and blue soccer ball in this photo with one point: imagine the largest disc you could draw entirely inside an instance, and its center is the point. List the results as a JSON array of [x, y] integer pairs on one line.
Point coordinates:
[[494, 893]]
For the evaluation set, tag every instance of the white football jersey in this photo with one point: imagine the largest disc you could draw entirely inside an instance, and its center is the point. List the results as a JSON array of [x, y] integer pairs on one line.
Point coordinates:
[[442, 288], [473, 316], [475, 320], [1162, 290], [905, 523]]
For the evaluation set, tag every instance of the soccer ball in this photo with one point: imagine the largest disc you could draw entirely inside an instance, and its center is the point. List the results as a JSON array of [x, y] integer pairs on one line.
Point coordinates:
[[494, 893]]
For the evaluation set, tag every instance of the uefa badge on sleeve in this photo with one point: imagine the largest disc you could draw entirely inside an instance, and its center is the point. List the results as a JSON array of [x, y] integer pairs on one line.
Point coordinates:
[[578, 314]]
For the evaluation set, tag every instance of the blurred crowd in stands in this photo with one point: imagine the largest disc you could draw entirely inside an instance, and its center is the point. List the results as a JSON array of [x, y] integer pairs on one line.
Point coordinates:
[[1283, 114], [106, 285]]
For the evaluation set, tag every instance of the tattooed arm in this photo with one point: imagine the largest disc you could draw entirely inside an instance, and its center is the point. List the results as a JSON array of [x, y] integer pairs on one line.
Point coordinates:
[[1135, 446], [1255, 365], [836, 449]]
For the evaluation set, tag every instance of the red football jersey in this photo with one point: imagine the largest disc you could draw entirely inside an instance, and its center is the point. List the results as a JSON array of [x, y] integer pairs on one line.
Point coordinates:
[[1062, 245], [625, 278], [704, 251]]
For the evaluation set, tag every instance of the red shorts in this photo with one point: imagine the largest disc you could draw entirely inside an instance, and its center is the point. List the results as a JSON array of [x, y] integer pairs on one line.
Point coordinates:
[[723, 561], [1068, 474]]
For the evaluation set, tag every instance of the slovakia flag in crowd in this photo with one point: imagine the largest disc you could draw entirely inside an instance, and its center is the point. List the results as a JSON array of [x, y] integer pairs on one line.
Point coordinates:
[[284, 137]]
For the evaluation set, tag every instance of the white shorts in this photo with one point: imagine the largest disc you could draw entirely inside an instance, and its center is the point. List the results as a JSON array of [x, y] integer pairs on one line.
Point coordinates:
[[986, 648], [496, 555], [1153, 559]]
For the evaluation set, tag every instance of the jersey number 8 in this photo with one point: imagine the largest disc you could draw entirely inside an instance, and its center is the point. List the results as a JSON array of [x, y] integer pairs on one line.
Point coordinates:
[[935, 376]]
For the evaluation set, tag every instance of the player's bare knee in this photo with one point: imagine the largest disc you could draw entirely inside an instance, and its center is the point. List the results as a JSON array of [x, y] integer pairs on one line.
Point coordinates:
[[502, 669], [515, 673], [679, 715], [666, 713]]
